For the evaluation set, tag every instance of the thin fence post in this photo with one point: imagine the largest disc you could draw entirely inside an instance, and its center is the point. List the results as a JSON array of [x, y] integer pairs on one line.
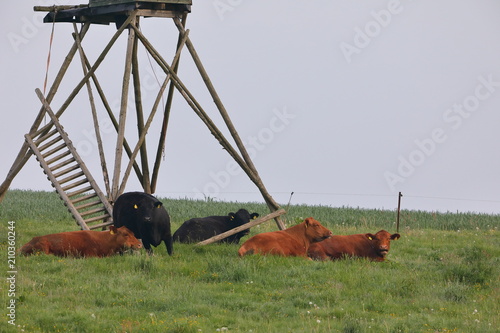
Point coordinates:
[[399, 211]]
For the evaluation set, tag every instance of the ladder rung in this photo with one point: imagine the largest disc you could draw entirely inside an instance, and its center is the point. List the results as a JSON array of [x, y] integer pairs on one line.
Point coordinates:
[[88, 204], [97, 218], [83, 198], [78, 183], [69, 178], [54, 150], [67, 170], [58, 157], [80, 191], [43, 129], [100, 225], [50, 143], [63, 163], [45, 137], [92, 211]]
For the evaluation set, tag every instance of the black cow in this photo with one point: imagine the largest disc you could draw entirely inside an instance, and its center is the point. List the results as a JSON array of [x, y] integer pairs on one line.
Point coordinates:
[[199, 229], [146, 217]]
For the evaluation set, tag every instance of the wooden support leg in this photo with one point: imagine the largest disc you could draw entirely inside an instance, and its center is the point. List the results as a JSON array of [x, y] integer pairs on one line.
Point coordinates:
[[123, 111], [166, 115], [146, 185]]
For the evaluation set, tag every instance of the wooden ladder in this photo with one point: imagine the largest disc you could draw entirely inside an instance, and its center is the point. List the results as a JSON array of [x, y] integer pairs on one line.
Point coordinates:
[[69, 175]]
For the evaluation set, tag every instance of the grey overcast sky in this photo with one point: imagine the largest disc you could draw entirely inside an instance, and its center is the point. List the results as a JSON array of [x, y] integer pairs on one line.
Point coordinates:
[[345, 103]]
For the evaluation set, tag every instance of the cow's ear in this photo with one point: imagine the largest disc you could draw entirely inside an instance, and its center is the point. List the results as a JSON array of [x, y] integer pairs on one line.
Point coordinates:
[[158, 204], [253, 216], [112, 230], [231, 216], [370, 236], [395, 236]]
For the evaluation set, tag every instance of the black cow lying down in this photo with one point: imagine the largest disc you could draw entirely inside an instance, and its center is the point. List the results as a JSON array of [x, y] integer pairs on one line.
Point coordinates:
[[146, 217], [199, 229]]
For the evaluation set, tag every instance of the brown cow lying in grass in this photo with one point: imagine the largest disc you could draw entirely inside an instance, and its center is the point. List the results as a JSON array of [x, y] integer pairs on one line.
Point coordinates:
[[374, 247], [84, 243], [293, 241]]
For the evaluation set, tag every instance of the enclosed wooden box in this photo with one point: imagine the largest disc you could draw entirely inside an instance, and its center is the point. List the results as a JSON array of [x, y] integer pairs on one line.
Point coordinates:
[[97, 3]]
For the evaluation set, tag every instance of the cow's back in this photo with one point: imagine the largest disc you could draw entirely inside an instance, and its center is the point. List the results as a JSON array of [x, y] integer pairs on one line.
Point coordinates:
[[81, 243], [274, 243], [199, 229], [294, 241], [339, 246], [60, 244]]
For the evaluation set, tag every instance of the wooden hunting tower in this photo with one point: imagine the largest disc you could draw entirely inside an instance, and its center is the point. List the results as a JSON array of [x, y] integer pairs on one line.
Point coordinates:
[[90, 205]]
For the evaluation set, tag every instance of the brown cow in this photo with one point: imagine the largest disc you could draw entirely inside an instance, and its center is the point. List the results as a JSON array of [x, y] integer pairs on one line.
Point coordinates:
[[84, 243], [374, 247], [293, 241]]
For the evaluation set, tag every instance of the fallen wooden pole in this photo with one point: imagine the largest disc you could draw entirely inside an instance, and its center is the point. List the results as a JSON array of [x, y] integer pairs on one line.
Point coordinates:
[[248, 225]]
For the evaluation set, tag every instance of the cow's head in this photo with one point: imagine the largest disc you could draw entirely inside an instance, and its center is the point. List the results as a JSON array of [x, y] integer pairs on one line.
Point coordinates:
[[125, 237], [241, 217], [381, 241], [146, 209], [315, 232]]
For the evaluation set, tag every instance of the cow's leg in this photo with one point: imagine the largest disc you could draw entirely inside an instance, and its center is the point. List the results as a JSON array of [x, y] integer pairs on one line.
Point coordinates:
[[148, 248], [169, 244]]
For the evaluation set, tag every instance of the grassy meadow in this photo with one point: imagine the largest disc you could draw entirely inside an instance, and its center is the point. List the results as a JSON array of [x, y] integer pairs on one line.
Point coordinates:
[[443, 275]]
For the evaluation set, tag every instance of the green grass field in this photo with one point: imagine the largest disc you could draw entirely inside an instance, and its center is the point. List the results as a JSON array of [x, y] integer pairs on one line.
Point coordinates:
[[443, 275]]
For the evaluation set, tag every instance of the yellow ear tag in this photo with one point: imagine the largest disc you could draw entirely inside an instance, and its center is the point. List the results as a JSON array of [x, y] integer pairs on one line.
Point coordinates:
[[370, 238], [135, 207], [111, 232]]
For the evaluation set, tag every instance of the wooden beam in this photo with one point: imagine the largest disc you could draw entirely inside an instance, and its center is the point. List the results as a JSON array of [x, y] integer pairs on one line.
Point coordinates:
[[166, 115], [146, 126], [145, 182], [248, 225], [123, 110]]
